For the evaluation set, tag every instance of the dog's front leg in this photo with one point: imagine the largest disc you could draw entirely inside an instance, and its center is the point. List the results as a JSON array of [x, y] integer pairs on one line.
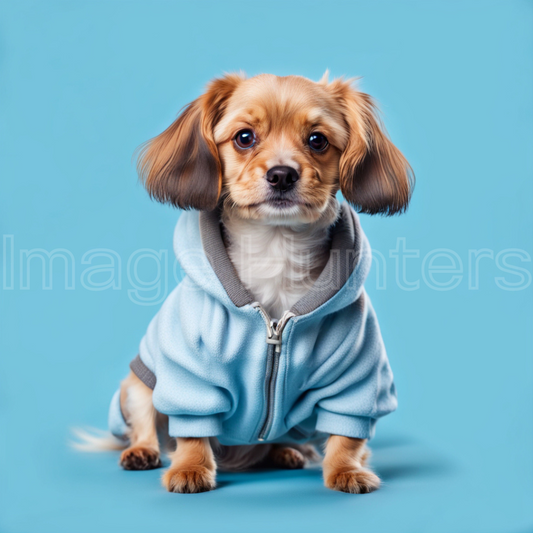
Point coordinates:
[[344, 466], [193, 467]]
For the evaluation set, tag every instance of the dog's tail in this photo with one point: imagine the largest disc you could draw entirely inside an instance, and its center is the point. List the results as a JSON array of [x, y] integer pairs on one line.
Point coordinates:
[[96, 440]]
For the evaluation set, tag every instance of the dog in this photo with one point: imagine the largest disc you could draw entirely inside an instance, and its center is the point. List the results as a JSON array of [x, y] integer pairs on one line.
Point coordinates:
[[270, 343]]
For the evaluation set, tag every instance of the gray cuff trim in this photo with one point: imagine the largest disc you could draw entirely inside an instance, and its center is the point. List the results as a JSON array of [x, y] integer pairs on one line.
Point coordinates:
[[143, 372]]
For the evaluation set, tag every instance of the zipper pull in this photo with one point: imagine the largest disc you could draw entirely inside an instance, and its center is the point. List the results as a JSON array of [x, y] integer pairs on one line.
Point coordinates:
[[274, 329], [275, 336], [280, 326]]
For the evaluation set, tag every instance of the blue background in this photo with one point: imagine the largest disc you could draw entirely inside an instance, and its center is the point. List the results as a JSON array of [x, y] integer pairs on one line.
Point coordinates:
[[83, 84]]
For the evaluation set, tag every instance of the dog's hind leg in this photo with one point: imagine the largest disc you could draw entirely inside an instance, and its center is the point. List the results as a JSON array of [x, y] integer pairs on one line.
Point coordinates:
[[287, 457], [292, 456], [140, 415]]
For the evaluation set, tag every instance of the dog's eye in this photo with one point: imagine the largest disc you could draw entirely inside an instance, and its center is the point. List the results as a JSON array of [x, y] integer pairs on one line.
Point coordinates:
[[318, 142], [245, 139]]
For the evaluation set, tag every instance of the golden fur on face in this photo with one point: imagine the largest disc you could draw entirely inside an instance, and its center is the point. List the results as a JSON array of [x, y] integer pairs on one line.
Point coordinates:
[[283, 113], [196, 163]]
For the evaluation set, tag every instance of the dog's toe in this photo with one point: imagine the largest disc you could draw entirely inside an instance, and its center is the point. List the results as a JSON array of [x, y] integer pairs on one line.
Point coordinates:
[[140, 458]]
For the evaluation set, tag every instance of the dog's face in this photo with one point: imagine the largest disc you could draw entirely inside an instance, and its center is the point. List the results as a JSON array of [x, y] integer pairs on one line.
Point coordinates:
[[277, 149], [280, 141]]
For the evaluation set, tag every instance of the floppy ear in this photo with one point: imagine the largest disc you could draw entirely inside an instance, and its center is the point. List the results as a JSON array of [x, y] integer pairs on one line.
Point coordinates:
[[374, 175], [181, 166]]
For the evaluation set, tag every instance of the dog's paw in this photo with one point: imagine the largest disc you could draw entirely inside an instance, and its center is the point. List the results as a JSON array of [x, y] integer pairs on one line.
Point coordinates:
[[353, 481], [140, 458], [286, 457], [188, 480]]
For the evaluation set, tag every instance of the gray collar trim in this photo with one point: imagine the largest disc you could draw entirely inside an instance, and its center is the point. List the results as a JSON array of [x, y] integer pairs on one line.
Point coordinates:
[[344, 256], [217, 255]]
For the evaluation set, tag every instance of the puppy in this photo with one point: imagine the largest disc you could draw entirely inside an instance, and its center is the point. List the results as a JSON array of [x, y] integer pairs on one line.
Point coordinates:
[[270, 342]]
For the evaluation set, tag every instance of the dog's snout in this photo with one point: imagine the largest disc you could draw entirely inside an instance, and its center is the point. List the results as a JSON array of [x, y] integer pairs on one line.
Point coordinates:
[[282, 178]]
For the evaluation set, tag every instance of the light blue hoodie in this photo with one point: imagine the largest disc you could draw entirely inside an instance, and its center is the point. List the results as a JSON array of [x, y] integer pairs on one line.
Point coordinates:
[[219, 367]]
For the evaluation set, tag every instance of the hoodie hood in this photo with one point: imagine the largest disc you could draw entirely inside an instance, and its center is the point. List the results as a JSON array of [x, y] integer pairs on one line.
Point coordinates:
[[199, 248]]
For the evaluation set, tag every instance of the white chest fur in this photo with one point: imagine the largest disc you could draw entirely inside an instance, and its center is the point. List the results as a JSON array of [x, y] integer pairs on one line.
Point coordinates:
[[277, 264]]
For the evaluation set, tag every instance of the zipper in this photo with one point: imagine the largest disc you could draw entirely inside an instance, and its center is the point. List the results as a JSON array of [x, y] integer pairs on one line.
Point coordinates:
[[274, 342]]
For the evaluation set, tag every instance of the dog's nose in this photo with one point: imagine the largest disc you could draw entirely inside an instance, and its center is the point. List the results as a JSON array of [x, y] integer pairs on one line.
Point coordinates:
[[282, 178]]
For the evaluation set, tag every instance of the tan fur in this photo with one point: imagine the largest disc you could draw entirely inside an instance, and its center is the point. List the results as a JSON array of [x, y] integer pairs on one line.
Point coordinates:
[[197, 163], [282, 112], [193, 467], [181, 165], [138, 410], [194, 162], [344, 466], [375, 177]]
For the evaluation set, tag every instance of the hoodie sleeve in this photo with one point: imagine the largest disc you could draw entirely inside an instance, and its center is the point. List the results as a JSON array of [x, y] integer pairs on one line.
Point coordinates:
[[365, 390], [172, 361], [198, 409]]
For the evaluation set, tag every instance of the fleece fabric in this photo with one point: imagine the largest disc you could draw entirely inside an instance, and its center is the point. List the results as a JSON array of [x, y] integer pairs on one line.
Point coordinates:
[[219, 367]]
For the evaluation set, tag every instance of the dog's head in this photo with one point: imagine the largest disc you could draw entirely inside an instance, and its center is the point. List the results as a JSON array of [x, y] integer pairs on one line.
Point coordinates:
[[277, 149]]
